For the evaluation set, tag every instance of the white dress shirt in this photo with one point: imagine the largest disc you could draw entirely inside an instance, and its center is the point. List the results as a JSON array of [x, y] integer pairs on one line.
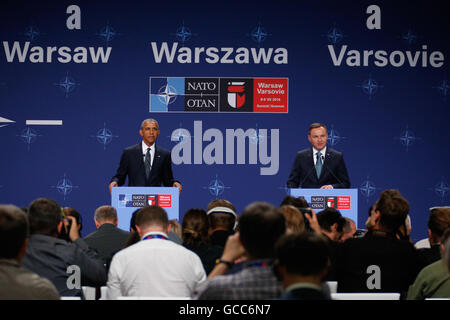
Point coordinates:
[[322, 152], [152, 152], [154, 268]]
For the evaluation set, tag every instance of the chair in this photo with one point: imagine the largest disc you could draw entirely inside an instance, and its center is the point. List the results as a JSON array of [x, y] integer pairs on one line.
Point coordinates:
[[332, 285], [365, 296], [89, 292]]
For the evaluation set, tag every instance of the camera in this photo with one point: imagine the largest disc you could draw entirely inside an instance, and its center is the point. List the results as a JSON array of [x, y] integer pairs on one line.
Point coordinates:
[[308, 211], [65, 230]]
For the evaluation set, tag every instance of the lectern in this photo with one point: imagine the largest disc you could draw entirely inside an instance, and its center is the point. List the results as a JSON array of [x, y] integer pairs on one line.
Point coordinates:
[[126, 200]]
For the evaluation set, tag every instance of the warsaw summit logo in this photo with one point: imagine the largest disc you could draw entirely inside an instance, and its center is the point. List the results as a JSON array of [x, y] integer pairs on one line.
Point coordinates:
[[236, 94], [178, 94]]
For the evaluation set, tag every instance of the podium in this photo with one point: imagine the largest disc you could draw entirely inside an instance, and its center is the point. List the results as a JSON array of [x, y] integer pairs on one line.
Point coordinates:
[[344, 200], [126, 200]]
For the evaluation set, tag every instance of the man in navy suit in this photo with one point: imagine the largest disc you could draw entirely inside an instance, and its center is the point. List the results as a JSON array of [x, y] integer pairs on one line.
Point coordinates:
[[319, 166], [145, 163]]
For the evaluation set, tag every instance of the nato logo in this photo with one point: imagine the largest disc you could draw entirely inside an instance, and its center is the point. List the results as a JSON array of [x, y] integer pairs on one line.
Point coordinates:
[[256, 137], [334, 35], [367, 188], [259, 34], [442, 189], [443, 88], [409, 37], [183, 34], [334, 137], [179, 135], [32, 33], [166, 94], [125, 201], [29, 136], [107, 33], [64, 186], [216, 187], [370, 86], [67, 84], [407, 138], [104, 136]]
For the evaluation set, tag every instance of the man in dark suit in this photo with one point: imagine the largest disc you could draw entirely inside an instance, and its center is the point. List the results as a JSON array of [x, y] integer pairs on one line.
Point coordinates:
[[379, 262], [145, 163], [319, 166], [107, 239]]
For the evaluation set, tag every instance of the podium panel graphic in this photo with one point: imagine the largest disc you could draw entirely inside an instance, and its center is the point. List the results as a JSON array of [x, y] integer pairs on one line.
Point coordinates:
[[126, 200], [344, 200]]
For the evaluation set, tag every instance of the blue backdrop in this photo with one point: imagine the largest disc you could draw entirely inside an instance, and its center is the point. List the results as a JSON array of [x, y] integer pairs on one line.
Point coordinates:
[[377, 77]]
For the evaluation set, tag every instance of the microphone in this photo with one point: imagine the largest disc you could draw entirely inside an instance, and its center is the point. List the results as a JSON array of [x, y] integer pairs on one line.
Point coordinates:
[[329, 170], [307, 176]]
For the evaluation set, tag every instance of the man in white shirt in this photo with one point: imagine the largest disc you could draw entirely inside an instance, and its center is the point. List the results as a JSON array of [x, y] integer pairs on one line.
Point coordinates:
[[155, 266]]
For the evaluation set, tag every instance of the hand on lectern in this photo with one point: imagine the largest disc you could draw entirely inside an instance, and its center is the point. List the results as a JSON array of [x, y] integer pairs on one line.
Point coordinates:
[[112, 184], [178, 185]]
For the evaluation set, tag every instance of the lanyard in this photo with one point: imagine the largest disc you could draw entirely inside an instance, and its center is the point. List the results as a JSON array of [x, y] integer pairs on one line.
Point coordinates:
[[155, 236], [260, 264]]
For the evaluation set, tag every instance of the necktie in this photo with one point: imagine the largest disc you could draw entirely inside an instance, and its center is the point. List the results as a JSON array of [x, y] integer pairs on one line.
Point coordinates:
[[319, 164], [148, 163]]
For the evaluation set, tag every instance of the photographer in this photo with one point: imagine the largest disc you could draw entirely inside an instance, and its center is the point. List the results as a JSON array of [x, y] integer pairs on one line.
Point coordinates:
[[68, 265], [301, 205]]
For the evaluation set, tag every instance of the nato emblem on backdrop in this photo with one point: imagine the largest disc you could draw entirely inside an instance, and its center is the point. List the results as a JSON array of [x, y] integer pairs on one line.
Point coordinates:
[[64, 186], [367, 188], [370, 86], [334, 137], [166, 94], [259, 34], [202, 94], [29, 136], [442, 189], [104, 136], [216, 187], [67, 84]]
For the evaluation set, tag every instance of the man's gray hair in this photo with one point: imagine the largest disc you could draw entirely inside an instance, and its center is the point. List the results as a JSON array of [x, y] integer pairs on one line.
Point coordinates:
[[149, 120], [105, 213]]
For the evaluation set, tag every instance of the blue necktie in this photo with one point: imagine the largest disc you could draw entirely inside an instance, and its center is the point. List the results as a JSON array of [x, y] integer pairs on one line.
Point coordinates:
[[148, 163], [319, 164]]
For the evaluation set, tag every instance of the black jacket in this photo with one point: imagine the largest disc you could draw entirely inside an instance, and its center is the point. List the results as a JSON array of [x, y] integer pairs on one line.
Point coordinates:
[[377, 254], [132, 165], [303, 173], [107, 240]]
